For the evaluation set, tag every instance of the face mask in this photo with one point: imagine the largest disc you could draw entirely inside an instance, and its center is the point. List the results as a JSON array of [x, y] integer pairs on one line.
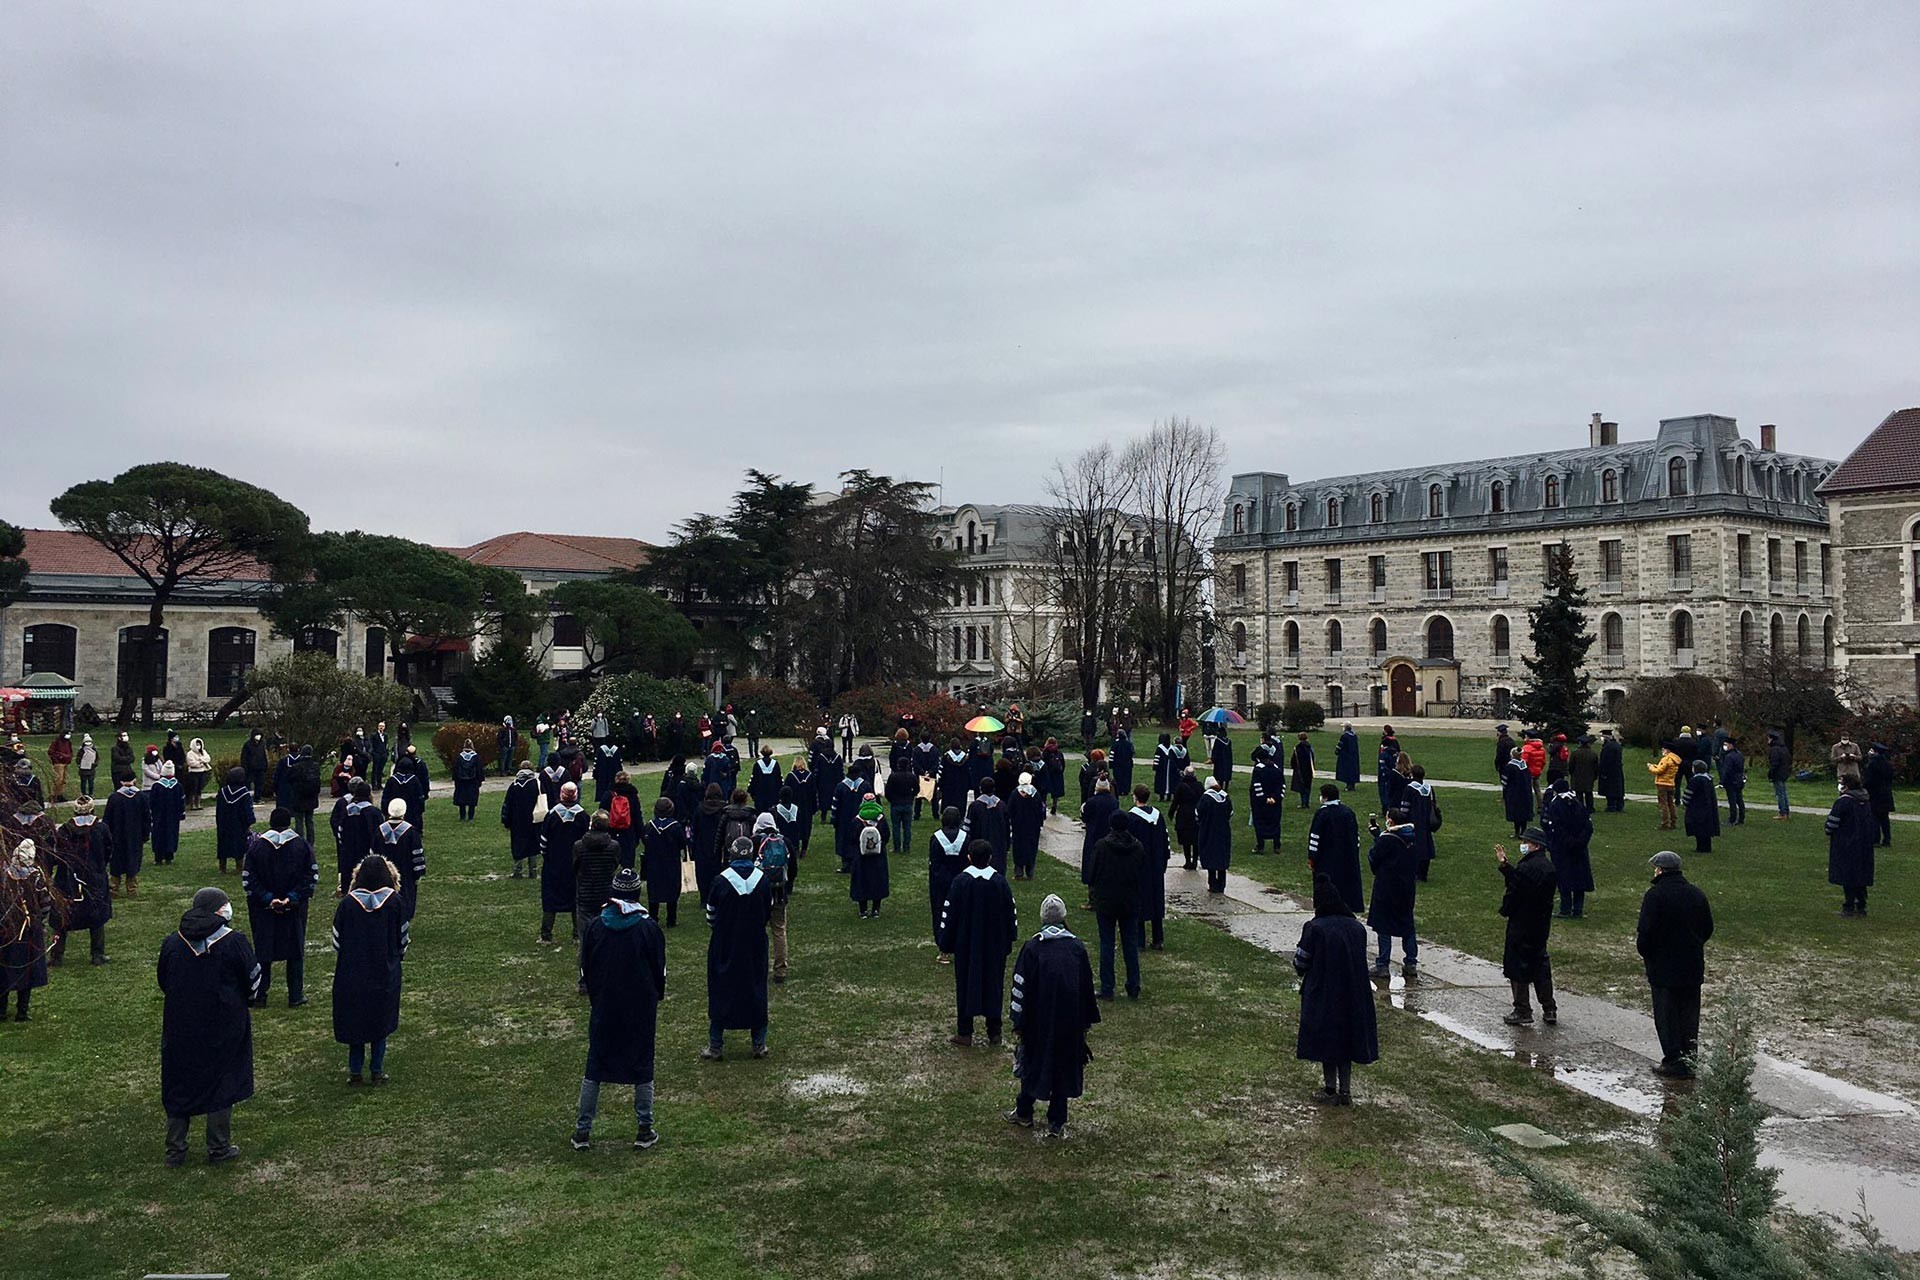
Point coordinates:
[[225, 912]]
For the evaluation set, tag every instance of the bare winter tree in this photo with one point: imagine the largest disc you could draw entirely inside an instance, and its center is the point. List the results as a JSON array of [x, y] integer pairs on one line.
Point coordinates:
[[1087, 533], [1175, 483]]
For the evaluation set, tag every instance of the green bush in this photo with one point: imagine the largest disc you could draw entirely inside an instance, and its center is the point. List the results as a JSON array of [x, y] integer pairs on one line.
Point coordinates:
[[623, 696], [1053, 718], [505, 681], [1302, 715], [1899, 727], [1268, 716], [1657, 707], [449, 737], [784, 708]]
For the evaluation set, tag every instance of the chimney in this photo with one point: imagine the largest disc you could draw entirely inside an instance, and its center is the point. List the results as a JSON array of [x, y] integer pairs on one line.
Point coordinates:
[[1768, 433], [1601, 434], [1593, 431]]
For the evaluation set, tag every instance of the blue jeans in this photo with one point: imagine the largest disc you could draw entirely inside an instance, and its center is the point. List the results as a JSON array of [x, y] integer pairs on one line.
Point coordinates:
[[1780, 795], [902, 826], [357, 1057], [716, 1034], [590, 1104], [1129, 927], [1409, 950]]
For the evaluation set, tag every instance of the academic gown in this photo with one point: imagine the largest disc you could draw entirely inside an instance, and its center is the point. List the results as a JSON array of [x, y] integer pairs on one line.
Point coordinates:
[[764, 785], [1516, 792], [26, 903], [1419, 803], [805, 799], [978, 926], [206, 1029], [516, 815], [623, 962], [738, 906], [128, 825], [1186, 809], [663, 848], [469, 770], [606, 767], [1851, 832], [1096, 815], [1613, 770], [1026, 815], [1702, 806], [987, 820], [279, 864], [233, 819], [370, 937], [871, 878], [552, 778], [1167, 771], [353, 825], [1528, 908], [1346, 760], [1054, 772], [1395, 882], [1150, 829], [1221, 755], [829, 771], [844, 808], [167, 803], [1569, 830], [1302, 770], [1051, 1006], [410, 786], [946, 856], [687, 799], [80, 875], [1337, 1021], [1120, 764], [1267, 783], [953, 783], [1213, 830], [1333, 849], [564, 826], [1383, 774]]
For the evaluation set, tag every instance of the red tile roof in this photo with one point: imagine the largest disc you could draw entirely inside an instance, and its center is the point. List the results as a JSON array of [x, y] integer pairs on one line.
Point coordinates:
[[61, 551], [560, 552], [1889, 458]]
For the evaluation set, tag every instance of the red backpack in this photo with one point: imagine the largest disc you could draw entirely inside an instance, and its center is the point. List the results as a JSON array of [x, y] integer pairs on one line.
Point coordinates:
[[620, 813]]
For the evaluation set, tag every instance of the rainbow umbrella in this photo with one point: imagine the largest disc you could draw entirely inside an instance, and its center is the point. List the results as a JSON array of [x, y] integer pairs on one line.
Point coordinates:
[[984, 724], [1223, 715]]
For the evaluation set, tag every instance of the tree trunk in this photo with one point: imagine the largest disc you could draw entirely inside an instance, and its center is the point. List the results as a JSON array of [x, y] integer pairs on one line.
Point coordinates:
[[142, 692]]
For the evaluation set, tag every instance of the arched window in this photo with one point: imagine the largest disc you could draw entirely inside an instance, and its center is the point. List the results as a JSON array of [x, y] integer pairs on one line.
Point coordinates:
[[1677, 478], [1293, 516], [1681, 633], [1291, 637], [229, 658], [1377, 508], [1739, 475], [49, 646], [1613, 636], [1336, 636], [1746, 632], [1239, 518], [318, 640], [1828, 641], [1379, 630], [1336, 700], [1609, 486], [1436, 501], [376, 646], [1777, 634], [127, 676], [1502, 636], [1497, 497], [1333, 513], [1804, 636], [972, 532], [1553, 491], [1439, 638], [1239, 637]]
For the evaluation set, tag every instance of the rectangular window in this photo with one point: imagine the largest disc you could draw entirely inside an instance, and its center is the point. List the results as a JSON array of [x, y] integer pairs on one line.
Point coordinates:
[[1800, 567], [1743, 554], [1774, 581], [1680, 561], [956, 644], [568, 633], [1333, 582], [1497, 570], [1239, 580], [1290, 572], [1546, 561], [973, 644], [1612, 562], [1377, 577], [1437, 566], [1826, 568]]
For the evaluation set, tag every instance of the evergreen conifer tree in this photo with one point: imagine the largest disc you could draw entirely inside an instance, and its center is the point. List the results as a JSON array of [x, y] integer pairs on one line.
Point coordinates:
[[1557, 690]]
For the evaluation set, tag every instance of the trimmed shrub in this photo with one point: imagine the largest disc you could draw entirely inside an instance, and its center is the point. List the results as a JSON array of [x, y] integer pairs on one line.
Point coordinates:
[[1302, 715], [1268, 716], [878, 707], [783, 708], [1656, 708], [447, 739], [505, 681]]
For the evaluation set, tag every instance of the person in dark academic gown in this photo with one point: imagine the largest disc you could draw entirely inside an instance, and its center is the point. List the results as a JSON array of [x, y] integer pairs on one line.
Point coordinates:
[[1213, 833], [987, 820], [26, 908], [1095, 816], [1026, 816], [1186, 814], [606, 768], [167, 805], [233, 818], [1221, 754], [469, 771], [1333, 846], [1150, 829], [355, 821], [401, 842], [946, 856], [628, 837], [663, 842], [1423, 815], [765, 783], [516, 815], [1569, 827], [370, 937], [623, 968], [1164, 774], [1266, 801], [977, 925], [870, 878], [1051, 1006], [1120, 762], [129, 822], [1091, 771], [688, 796], [1613, 772], [829, 771], [1877, 775], [953, 784], [1850, 845], [1702, 807], [703, 836], [1396, 881], [1383, 770], [806, 799], [1516, 793], [553, 776], [408, 782], [566, 823], [80, 878], [1053, 769], [739, 906], [790, 819], [208, 977], [279, 877], [1337, 1027], [1302, 784], [1527, 907], [1346, 759]]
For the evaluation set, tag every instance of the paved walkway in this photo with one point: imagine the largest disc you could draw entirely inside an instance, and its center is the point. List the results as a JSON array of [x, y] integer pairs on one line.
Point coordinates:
[[1830, 1139]]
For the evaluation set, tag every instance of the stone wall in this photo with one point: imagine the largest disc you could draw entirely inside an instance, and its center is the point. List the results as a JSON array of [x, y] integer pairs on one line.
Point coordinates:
[[1876, 536]]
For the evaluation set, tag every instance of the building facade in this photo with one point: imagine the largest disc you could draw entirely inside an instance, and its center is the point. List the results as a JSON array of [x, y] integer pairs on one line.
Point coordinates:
[[1874, 500], [1405, 592]]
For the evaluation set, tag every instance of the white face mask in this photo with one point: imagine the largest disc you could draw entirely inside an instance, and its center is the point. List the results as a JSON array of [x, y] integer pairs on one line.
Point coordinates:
[[225, 912]]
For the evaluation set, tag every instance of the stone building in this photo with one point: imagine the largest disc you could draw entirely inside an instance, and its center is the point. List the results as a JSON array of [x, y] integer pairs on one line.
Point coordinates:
[[1874, 500], [1405, 592]]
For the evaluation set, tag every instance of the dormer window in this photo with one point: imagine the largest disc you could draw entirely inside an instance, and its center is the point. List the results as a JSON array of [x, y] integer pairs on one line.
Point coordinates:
[[1436, 501], [1552, 498], [1677, 478], [1239, 518], [1609, 485], [1497, 497], [1293, 516], [1333, 513], [1377, 508]]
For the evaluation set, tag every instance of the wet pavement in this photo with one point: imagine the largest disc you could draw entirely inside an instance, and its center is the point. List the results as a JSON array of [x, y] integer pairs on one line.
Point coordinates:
[[1831, 1140]]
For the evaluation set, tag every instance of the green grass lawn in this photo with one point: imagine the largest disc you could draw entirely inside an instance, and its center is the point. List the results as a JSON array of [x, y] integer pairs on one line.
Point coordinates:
[[863, 1146]]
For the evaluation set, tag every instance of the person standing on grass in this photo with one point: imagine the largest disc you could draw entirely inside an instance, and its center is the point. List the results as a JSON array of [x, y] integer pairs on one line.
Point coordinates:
[[370, 937], [1053, 773], [1703, 808], [167, 805], [773, 855], [1186, 815], [764, 784], [1052, 1006], [1533, 752], [739, 905], [1847, 759], [1527, 907], [1266, 800], [1113, 887], [1095, 816], [664, 848], [1213, 834], [516, 815], [596, 860], [1850, 844], [925, 762], [378, 753], [1302, 784], [1877, 777], [1583, 770], [1396, 881], [623, 970], [1503, 746], [977, 926], [353, 822], [87, 761], [1733, 778], [566, 826], [1337, 1027], [1666, 777], [129, 822], [60, 760], [791, 817], [199, 770], [1346, 758], [1150, 829], [209, 979], [279, 876], [1516, 792], [1120, 759], [402, 843], [870, 882], [1423, 815], [1383, 769], [606, 771], [1091, 772], [803, 798], [1569, 829], [1220, 754], [623, 816], [1333, 847], [902, 791], [1026, 816], [1163, 771], [506, 745], [301, 795], [469, 771], [987, 819], [946, 857], [80, 878], [1675, 923], [26, 907], [553, 776], [233, 819], [1779, 770], [1613, 772]]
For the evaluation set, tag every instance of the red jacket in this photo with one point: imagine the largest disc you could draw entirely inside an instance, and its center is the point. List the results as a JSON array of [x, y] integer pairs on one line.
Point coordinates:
[[1534, 752]]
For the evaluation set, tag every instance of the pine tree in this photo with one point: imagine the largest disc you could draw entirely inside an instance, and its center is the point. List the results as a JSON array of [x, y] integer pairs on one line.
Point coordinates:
[[1558, 691]]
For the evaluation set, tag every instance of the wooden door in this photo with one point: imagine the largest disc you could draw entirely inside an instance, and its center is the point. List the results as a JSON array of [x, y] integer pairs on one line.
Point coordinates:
[[1402, 686]]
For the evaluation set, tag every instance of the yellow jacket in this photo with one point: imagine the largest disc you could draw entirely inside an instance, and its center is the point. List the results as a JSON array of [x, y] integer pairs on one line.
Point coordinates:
[[1665, 770]]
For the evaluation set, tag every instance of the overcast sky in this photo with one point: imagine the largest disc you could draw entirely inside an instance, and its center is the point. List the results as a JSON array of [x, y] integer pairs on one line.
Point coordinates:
[[451, 269]]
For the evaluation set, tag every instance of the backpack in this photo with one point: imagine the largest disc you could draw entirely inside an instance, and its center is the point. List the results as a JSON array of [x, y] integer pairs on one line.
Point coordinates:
[[620, 813], [773, 858], [870, 842], [734, 829]]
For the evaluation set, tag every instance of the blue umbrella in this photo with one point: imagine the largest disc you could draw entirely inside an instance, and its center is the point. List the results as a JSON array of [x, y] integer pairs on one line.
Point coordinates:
[[1221, 715]]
